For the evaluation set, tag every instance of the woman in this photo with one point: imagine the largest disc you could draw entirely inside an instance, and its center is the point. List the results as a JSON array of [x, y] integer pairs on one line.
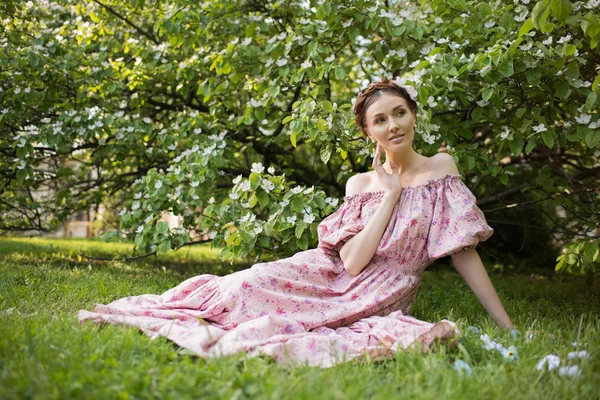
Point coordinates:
[[351, 295]]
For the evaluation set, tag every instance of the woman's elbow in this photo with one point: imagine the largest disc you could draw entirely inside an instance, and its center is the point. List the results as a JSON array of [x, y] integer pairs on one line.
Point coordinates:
[[351, 269]]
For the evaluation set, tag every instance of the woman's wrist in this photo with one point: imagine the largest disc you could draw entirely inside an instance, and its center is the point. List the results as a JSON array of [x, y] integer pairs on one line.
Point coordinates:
[[392, 194]]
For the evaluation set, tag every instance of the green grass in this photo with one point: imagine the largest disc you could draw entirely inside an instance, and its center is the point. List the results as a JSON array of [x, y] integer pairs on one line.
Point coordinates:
[[46, 353]]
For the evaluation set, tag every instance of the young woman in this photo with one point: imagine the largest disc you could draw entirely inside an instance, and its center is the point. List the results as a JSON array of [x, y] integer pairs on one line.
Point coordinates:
[[351, 295]]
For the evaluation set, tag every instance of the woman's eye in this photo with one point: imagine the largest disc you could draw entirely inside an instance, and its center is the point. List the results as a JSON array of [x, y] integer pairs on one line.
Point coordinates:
[[378, 119]]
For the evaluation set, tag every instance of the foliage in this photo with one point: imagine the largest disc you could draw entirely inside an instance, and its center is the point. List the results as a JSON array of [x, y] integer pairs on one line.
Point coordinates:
[[181, 106]]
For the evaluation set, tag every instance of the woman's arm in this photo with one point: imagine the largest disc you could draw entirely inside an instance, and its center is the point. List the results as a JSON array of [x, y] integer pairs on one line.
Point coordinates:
[[358, 251], [469, 266]]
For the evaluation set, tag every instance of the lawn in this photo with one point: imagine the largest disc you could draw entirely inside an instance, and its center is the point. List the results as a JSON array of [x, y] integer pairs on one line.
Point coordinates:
[[46, 353]]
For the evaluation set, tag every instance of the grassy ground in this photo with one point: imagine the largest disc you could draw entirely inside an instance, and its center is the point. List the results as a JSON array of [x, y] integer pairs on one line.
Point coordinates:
[[46, 353]]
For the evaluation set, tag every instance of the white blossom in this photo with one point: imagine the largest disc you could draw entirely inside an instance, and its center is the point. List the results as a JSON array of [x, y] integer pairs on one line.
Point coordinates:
[[271, 170], [308, 218], [257, 167], [572, 370], [267, 185], [583, 119], [331, 200], [245, 186], [552, 360], [505, 134], [158, 184], [135, 205], [577, 354], [211, 200], [564, 39], [194, 184], [237, 179]]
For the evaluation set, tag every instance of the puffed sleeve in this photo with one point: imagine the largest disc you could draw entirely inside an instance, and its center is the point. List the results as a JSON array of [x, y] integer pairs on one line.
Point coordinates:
[[458, 224], [336, 229]]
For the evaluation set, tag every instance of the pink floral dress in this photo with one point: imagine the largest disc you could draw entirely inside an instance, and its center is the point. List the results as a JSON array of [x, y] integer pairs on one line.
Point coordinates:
[[306, 309]]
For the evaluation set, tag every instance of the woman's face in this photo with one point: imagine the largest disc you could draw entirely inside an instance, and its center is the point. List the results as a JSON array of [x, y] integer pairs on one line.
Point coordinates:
[[390, 116]]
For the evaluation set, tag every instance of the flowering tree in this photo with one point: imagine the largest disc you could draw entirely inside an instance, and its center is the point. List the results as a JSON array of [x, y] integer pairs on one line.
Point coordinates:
[[237, 115]]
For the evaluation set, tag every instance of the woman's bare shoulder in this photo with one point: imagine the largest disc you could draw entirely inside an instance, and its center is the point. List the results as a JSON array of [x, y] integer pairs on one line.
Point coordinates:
[[357, 182]]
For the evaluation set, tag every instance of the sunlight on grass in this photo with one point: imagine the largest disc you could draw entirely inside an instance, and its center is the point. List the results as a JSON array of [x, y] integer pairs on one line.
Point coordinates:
[[46, 353]]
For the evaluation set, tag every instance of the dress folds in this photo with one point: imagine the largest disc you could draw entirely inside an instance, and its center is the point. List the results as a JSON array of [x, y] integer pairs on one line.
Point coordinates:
[[306, 309]]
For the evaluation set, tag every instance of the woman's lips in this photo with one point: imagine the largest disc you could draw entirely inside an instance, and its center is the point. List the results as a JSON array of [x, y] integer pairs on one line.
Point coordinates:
[[397, 139]]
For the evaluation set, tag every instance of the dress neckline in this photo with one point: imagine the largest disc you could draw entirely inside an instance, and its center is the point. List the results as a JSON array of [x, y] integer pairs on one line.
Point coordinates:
[[380, 193]]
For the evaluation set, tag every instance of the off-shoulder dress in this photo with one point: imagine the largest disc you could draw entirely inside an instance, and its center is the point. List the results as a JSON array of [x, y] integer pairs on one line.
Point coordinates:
[[306, 309]]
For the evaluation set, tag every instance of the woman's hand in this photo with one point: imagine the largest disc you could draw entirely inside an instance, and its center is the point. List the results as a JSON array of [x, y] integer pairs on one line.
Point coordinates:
[[391, 182]]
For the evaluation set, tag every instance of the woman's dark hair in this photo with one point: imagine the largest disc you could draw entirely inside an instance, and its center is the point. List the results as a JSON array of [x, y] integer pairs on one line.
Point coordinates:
[[374, 91]]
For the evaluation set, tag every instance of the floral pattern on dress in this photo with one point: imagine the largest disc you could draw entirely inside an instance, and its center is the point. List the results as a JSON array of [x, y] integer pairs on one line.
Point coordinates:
[[306, 309]]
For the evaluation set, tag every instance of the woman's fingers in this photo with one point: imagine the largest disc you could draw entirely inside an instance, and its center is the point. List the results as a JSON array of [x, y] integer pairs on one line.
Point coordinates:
[[376, 157]]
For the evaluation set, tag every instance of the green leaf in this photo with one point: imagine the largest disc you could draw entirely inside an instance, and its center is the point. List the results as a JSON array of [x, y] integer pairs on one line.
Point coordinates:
[[487, 93], [293, 137], [591, 100], [263, 199], [527, 26], [568, 50], [516, 146], [325, 153], [530, 144], [560, 264], [548, 139], [264, 240], [592, 138], [506, 68], [162, 227], [572, 70], [229, 240], [254, 179], [21, 174], [300, 226], [164, 247], [252, 200], [596, 82], [533, 76], [562, 89], [303, 242], [561, 9], [590, 250], [540, 14]]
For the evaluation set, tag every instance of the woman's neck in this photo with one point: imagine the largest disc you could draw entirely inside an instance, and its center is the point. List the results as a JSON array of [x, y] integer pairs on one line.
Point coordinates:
[[408, 161]]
